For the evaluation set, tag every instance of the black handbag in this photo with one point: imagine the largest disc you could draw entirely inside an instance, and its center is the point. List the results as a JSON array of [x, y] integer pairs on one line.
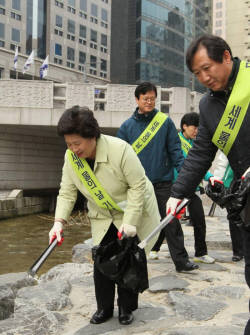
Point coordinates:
[[123, 262]]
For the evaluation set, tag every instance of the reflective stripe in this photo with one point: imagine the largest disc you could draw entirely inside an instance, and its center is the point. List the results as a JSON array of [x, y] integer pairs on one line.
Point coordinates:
[[91, 183], [235, 111], [185, 145], [148, 133]]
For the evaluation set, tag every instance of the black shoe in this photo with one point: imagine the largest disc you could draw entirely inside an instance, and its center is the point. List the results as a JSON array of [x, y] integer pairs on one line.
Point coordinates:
[[189, 266], [236, 258], [101, 316], [125, 317]]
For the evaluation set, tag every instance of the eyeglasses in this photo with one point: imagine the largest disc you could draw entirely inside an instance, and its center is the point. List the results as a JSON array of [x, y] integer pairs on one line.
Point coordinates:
[[145, 99]]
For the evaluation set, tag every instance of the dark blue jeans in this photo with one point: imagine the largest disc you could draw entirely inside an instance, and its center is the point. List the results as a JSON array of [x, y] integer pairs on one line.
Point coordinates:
[[173, 231]]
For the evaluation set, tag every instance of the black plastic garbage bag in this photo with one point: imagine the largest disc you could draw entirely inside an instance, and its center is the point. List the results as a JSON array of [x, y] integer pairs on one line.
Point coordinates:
[[216, 192], [123, 262]]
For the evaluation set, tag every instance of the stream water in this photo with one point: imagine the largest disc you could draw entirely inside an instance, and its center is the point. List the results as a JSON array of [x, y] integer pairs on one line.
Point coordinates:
[[23, 239]]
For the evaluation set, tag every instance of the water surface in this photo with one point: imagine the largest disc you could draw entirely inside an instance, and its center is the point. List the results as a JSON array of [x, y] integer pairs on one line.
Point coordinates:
[[23, 239]]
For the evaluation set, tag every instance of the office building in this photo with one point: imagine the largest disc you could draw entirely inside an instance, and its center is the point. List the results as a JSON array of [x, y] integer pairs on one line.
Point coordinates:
[[231, 21], [150, 38], [74, 33]]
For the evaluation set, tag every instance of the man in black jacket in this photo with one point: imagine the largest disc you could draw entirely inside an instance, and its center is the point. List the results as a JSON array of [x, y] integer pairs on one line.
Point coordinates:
[[224, 110]]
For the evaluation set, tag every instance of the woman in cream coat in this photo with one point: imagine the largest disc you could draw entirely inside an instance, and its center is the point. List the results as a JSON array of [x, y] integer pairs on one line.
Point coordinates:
[[120, 173]]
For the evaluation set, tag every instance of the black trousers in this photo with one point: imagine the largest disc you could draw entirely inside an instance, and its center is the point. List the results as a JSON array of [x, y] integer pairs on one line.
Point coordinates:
[[105, 288], [173, 231], [197, 216], [246, 249], [237, 238]]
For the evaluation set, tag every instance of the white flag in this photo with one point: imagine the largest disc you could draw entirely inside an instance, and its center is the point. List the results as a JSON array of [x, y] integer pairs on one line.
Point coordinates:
[[44, 68], [28, 62], [16, 58]]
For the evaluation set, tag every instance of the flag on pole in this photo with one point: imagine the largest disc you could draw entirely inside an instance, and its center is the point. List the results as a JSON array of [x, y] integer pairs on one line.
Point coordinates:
[[28, 62], [16, 58], [44, 68]]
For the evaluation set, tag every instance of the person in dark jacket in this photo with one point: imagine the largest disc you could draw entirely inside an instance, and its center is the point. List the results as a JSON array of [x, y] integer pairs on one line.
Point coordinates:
[[224, 110], [154, 138]]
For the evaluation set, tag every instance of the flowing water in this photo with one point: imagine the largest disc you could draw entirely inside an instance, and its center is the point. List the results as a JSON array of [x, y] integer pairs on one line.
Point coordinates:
[[23, 239]]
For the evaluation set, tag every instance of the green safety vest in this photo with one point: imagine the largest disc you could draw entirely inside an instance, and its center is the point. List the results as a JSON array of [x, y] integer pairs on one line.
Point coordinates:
[[146, 136], [235, 111], [91, 183]]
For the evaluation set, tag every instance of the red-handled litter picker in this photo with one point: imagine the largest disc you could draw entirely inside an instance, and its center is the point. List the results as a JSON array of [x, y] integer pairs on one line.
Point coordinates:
[[163, 224], [41, 259]]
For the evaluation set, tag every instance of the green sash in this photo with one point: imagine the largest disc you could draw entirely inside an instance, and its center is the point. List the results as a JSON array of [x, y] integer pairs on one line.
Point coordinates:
[[148, 133], [235, 111], [89, 180], [228, 176], [185, 145]]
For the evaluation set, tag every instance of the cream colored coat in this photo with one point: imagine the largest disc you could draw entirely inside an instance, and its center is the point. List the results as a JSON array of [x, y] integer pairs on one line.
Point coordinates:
[[121, 174]]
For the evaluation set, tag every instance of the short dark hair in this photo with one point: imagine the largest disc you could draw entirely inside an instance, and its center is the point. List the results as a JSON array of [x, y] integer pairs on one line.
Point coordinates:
[[214, 45], [190, 119], [78, 120], [145, 87]]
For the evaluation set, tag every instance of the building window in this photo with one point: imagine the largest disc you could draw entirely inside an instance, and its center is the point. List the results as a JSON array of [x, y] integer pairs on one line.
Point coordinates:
[[2, 44], [15, 35], [218, 14], [71, 10], [71, 26], [94, 10], [59, 4], [81, 41], [82, 57], [93, 35], [70, 53], [105, 50], [106, 1], [81, 68], [218, 32], [2, 2], [59, 21], [72, 3], [83, 5], [82, 31], [103, 65], [104, 25], [104, 40], [13, 47], [93, 45], [93, 61], [83, 15], [104, 15], [2, 30], [58, 49], [218, 23], [58, 61], [94, 20], [70, 65], [16, 4], [91, 71], [2, 11], [15, 16], [58, 32], [218, 5], [103, 74]]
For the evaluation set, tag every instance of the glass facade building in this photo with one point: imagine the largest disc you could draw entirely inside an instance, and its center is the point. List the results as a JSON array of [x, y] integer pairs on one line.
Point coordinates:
[[163, 31]]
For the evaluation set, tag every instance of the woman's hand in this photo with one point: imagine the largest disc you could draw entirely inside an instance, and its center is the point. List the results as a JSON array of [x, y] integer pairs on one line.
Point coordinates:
[[128, 230], [56, 232]]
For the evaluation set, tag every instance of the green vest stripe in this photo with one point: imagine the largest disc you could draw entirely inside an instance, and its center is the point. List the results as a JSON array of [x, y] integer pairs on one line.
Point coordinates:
[[148, 133], [91, 183], [185, 145], [235, 111]]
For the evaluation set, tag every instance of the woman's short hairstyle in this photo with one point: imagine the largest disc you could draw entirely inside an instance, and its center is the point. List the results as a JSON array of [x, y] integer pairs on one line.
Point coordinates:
[[190, 119], [214, 45], [145, 87], [78, 120]]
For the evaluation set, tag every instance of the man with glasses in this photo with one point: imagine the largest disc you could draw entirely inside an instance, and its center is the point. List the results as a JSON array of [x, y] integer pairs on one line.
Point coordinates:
[[154, 138]]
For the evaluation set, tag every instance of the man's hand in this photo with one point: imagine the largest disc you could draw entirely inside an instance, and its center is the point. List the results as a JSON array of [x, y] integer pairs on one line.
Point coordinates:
[[172, 204], [56, 232], [128, 230], [245, 173], [214, 180]]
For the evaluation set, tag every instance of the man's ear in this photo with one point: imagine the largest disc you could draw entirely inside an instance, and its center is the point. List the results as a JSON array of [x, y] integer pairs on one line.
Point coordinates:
[[227, 57]]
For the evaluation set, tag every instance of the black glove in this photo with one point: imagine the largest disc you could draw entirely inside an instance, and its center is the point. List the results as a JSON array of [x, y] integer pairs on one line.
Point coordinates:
[[216, 192]]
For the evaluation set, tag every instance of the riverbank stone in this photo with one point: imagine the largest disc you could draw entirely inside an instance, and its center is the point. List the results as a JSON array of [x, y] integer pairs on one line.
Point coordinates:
[[167, 283], [193, 307]]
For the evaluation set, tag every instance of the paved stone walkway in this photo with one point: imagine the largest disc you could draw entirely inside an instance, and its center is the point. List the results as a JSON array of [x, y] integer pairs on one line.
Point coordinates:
[[210, 301]]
